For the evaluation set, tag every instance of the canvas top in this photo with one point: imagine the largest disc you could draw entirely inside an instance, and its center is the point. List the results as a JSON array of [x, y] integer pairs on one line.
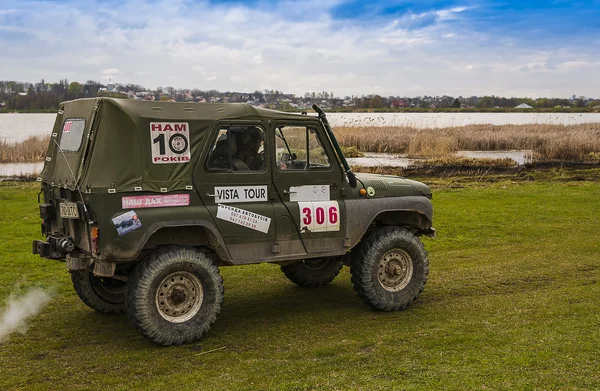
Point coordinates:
[[119, 145]]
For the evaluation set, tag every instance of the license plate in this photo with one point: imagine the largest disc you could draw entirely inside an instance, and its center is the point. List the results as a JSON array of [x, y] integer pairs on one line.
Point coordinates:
[[68, 210]]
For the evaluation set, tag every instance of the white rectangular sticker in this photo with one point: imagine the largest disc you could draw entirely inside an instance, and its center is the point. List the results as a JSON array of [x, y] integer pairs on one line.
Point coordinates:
[[309, 193], [170, 142], [244, 218], [320, 216], [231, 194]]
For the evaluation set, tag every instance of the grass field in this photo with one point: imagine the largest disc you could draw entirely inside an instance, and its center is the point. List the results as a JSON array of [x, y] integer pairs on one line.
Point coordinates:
[[511, 304]]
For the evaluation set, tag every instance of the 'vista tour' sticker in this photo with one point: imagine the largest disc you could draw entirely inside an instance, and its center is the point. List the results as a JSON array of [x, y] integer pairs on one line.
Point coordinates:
[[231, 194]]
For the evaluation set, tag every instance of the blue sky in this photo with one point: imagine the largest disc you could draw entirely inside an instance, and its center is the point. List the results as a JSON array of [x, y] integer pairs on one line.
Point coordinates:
[[395, 47]]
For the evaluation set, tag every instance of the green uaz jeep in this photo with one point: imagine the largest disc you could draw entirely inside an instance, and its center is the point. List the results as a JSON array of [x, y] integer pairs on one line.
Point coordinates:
[[146, 200]]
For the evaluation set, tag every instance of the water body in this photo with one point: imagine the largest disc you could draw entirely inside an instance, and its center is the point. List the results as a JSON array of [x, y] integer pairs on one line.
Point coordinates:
[[19, 169], [443, 120], [17, 127]]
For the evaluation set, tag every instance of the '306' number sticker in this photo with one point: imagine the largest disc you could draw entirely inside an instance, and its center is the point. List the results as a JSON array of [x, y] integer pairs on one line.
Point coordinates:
[[319, 216]]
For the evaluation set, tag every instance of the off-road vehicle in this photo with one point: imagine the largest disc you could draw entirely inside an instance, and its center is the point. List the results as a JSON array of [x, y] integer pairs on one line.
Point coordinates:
[[146, 200]]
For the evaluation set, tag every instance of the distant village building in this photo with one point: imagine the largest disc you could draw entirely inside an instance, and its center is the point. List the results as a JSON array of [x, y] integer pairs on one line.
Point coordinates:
[[523, 106], [398, 103]]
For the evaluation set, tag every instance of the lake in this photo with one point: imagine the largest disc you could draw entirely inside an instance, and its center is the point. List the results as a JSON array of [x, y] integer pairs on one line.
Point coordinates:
[[17, 127]]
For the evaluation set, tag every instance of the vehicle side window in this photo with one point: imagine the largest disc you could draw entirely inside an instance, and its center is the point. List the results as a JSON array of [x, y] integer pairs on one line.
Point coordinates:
[[72, 134], [238, 148], [299, 148]]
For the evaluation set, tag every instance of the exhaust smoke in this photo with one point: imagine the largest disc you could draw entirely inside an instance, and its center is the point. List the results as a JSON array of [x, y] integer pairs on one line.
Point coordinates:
[[18, 309]]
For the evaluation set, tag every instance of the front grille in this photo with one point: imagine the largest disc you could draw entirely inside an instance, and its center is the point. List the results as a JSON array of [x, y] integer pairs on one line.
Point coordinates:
[[378, 186]]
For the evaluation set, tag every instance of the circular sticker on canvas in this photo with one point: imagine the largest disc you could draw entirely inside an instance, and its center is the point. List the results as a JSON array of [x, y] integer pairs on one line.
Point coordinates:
[[178, 143]]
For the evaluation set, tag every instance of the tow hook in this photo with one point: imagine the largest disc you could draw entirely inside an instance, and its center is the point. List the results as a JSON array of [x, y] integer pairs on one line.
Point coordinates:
[[55, 248], [65, 245]]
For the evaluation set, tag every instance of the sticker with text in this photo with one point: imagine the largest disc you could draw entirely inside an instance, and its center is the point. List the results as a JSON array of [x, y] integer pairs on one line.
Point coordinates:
[[155, 201], [309, 193], [170, 142], [319, 216], [126, 222], [67, 126], [244, 218], [232, 194]]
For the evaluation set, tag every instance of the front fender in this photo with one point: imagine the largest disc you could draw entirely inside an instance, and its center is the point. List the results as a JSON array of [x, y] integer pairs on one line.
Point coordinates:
[[415, 211]]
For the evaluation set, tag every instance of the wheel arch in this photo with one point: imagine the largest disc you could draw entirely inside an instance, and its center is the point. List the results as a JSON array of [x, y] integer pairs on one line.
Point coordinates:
[[194, 233], [412, 212]]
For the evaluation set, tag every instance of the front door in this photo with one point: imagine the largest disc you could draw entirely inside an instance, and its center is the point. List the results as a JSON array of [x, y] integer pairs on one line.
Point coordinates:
[[308, 178], [234, 182]]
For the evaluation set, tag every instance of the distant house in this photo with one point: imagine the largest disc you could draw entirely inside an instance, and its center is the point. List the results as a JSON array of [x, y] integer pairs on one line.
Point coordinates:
[[397, 103], [523, 106]]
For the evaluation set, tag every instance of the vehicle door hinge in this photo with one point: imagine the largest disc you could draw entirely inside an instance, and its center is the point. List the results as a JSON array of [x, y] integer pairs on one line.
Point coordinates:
[[276, 249]]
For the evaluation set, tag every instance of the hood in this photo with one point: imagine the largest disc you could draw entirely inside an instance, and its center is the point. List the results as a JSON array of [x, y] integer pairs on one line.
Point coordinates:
[[391, 186]]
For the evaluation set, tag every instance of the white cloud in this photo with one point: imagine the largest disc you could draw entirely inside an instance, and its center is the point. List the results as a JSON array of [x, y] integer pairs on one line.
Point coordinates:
[[286, 46]]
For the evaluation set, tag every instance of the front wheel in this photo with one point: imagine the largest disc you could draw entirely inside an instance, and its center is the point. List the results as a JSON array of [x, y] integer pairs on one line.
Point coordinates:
[[175, 296], [313, 272], [390, 270]]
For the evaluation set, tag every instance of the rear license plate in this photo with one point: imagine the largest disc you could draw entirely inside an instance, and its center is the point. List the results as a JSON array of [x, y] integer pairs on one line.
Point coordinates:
[[68, 210]]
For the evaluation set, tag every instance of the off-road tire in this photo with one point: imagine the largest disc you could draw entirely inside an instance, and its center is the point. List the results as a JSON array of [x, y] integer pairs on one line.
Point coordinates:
[[385, 248], [313, 272], [102, 294], [147, 282]]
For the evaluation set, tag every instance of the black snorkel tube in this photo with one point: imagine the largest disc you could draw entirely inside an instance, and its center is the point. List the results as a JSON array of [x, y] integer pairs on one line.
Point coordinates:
[[323, 118]]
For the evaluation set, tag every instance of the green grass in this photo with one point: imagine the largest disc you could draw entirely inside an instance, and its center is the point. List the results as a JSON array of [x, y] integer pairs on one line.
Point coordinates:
[[512, 303]]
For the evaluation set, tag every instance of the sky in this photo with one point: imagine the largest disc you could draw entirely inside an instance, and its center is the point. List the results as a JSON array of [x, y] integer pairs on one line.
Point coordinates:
[[402, 48]]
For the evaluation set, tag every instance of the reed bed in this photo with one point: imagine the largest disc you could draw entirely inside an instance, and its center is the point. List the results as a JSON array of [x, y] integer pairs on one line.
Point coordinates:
[[32, 149], [572, 142], [548, 142]]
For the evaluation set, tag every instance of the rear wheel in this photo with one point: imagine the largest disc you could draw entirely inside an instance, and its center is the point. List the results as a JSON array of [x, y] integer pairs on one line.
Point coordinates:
[[175, 296], [313, 272], [390, 270], [102, 294]]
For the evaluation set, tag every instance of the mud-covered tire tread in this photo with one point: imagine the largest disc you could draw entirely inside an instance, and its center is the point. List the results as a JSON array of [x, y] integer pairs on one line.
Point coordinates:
[[85, 291], [370, 250], [141, 309], [305, 277]]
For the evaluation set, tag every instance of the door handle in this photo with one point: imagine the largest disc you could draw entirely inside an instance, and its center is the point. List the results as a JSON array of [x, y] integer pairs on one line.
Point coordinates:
[[289, 192], [211, 195]]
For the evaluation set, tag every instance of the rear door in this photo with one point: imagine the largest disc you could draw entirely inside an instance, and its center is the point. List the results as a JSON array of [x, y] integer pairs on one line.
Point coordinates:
[[308, 178], [233, 179], [69, 142]]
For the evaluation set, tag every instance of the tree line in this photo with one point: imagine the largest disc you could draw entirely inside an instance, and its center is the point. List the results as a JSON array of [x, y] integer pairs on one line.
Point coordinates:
[[42, 96]]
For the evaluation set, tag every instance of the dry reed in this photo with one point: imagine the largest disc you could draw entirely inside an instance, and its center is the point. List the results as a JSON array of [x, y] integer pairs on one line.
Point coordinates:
[[32, 149], [572, 142], [561, 142]]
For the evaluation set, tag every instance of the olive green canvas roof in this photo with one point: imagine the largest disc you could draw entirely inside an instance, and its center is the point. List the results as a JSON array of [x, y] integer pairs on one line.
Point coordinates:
[[119, 149]]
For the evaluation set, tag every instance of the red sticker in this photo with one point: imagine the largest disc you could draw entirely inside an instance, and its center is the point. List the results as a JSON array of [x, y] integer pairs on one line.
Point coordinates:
[[155, 201], [67, 127]]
